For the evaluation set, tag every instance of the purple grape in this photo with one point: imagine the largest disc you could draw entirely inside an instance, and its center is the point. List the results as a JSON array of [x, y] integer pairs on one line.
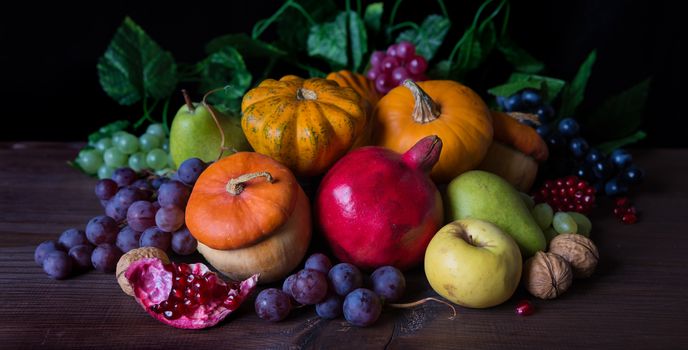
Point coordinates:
[[309, 287], [376, 58], [72, 238], [330, 308], [405, 50], [102, 229], [417, 65], [173, 193], [128, 239], [169, 218], [155, 237], [57, 265], [104, 203], [286, 285], [384, 83], [116, 211], [183, 243], [105, 257], [124, 176], [272, 304], [319, 262], [344, 278], [81, 257], [389, 283], [43, 249], [399, 74], [388, 64], [128, 195], [157, 181], [372, 73], [106, 189], [362, 307], [392, 50], [143, 185], [141, 215], [190, 170]]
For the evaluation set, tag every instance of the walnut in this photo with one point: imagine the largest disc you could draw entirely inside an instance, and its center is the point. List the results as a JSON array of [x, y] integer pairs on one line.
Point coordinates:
[[579, 251], [547, 275], [130, 257]]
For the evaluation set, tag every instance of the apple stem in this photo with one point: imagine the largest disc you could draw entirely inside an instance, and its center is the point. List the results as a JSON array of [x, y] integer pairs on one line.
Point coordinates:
[[217, 121], [187, 99], [423, 301]]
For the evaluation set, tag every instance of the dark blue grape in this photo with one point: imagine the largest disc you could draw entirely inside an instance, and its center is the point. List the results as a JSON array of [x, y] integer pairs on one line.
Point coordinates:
[[190, 170], [389, 283], [545, 113], [578, 147], [173, 193], [513, 103], [102, 229], [143, 185], [124, 176], [344, 278], [583, 171], [543, 130], [106, 189], [57, 264], [501, 102], [272, 305], [288, 282], [615, 188], [330, 308], [632, 175], [309, 287], [621, 158], [81, 257], [319, 262], [569, 127], [362, 307], [183, 243], [602, 169], [157, 181], [71, 238], [128, 239], [155, 237], [531, 97], [105, 257], [555, 141], [594, 155], [43, 249]]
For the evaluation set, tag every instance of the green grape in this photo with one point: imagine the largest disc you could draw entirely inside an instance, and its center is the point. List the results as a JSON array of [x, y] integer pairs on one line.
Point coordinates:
[[157, 159], [114, 158], [90, 160], [170, 162], [550, 233], [564, 223], [137, 161], [104, 144], [127, 143], [543, 215], [116, 135], [528, 200], [105, 172], [149, 142], [156, 129], [166, 145], [584, 224]]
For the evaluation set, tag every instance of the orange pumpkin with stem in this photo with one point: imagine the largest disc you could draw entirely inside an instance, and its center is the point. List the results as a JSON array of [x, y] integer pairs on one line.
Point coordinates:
[[444, 108], [249, 216]]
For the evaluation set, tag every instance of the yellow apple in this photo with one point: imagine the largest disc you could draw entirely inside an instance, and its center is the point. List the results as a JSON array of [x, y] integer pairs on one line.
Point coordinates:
[[473, 263]]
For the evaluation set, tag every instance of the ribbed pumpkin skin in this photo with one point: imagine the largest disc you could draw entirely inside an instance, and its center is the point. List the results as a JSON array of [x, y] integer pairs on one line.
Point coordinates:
[[464, 125], [369, 98], [305, 124]]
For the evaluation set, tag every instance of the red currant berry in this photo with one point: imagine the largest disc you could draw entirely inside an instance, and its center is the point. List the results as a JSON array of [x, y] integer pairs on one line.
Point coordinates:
[[629, 218], [622, 202], [524, 308]]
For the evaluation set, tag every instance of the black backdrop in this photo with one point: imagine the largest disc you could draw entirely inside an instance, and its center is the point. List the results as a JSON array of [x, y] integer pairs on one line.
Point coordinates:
[[48, 53]]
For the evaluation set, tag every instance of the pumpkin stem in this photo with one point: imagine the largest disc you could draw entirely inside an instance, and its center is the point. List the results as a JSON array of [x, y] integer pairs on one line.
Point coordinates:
[[236, 185], [305, 94], [423, 301], [188, 102], [425, 109]]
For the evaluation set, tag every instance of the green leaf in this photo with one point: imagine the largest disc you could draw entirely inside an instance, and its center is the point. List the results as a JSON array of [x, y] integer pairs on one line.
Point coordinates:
[[607, 147], [477, 47], [621, 114], [247, 46], [328, 41], [224, 68], [429, 36], [442, 70], [519, 58], [509, 89], [293, 28], [134, 66], [373, 16], [551, 87], [358, 38], [574, 92]]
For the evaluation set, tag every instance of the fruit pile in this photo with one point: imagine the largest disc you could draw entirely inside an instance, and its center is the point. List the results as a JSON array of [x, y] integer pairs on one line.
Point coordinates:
[[390, 68], [143, 211]]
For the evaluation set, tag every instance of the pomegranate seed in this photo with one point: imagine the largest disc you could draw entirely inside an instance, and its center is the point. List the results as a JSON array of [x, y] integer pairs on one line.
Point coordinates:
[[590, 190], [631, 210], [549, 184], [580, 208], [559, 182], [183, 269], [571, 180], [581, 185], [524, 308], [623, 202], [629, 218], [177, 293]]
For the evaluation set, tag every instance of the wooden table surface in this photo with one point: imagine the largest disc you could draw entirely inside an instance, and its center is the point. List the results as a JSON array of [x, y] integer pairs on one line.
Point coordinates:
[[638, 298]]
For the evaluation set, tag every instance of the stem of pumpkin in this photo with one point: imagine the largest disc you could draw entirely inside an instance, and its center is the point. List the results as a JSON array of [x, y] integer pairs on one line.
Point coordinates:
[[425, 109], [423, 301], [236, 185], [217, 121]]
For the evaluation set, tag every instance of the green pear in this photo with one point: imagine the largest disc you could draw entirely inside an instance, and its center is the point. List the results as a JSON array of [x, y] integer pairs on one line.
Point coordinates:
[[482, 195], [194, 133]]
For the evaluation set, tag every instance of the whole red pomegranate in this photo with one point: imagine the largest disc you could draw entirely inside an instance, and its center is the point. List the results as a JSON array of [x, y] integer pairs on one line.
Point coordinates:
[[377, 207]]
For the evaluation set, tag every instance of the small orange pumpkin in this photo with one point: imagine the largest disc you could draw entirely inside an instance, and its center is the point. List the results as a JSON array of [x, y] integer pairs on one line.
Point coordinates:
[[520, 136], [369, 97], [306, 124], [249, 216], [444, 108]]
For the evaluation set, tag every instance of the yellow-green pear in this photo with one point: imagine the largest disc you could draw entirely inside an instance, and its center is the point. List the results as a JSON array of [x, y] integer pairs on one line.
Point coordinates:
[[482, 195], [194, 133]]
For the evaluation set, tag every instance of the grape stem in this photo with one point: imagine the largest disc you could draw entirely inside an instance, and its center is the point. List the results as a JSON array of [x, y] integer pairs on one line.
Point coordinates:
[[211, 110], [236, 185], [423, 301]]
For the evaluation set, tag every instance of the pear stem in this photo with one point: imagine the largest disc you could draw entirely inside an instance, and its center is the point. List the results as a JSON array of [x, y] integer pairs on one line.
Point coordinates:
[[236, 185], [188, 102], [423, 301], [217, 121]]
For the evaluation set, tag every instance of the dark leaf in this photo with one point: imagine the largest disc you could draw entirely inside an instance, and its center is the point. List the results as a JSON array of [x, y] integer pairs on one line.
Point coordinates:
[[224, 68], [358, 39], [373, 16], [608, 147], [509, 89], [429, 36], [520, 58], [328, 41], [551, 87], [621, 114], [134, 66], [574, 92], [247, 46], [293, 28]]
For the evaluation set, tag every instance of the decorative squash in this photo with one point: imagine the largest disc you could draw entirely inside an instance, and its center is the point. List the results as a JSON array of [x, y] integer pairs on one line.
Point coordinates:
[[444, 108], [305, 124], [509, 131], [369, 97], [249, 216], [511, 164]]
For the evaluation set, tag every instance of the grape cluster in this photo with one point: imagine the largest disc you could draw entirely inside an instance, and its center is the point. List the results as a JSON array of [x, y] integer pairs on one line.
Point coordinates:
[[139, 212], [553, 223], [528, 101], [149, 151], [400, 62], [334, 290]]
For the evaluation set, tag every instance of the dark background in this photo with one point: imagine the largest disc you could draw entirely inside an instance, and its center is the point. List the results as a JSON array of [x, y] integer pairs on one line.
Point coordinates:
[[48, 53]]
